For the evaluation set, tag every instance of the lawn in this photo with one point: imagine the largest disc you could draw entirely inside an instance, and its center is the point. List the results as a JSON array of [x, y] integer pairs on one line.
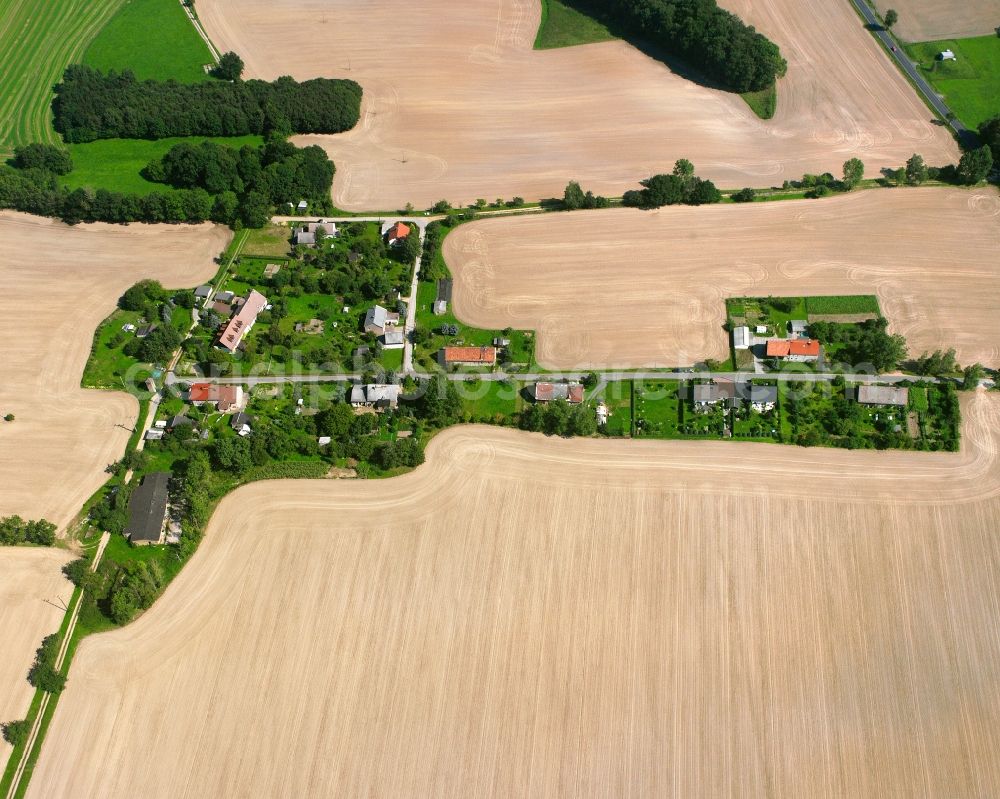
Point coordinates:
[[115, 164], [488, 400], [776, 313], [659, 409], [618, 398], [108, 365], [154, 39], [272, 240], [564, 26], [40, 39], [773, 313], [971, 84], [520, 354], [764, 102]]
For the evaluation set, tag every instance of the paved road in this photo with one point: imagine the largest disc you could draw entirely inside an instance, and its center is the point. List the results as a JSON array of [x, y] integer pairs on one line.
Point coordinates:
[[420, 221], [907, 66], [530, 377], [411, 308]]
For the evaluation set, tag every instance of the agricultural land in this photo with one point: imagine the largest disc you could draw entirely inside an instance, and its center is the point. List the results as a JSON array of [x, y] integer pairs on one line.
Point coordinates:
[[60, 282], [728, 621], [480, 113], [924, 20], [33, 594], [623, 288], [40, 39], [483, 445]]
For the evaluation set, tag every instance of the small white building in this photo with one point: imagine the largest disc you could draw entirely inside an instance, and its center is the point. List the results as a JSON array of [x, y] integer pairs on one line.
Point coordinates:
[[741, 337], [440, 307], [303, 205], [947, 55]]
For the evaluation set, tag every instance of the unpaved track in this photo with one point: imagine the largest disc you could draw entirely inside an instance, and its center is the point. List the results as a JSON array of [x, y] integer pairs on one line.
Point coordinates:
[[460, 107], [926, 20], [627, 288], [59, 283], [32, 590], [537, 617]]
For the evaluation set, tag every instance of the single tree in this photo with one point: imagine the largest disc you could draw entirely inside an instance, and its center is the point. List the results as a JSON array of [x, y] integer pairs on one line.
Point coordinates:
[[746, 195], [684, 169], [972, 375], [573, 196], [230, 67], [9, 417], [891, 17], [16, 732], [989, 132], [854, 171], [916, 170], [975, 165]]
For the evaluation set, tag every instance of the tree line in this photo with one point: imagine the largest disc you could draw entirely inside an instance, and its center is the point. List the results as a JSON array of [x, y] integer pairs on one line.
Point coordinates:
[[90, 104], [15, 530], [681, 186], [214, 183], [709, 38]]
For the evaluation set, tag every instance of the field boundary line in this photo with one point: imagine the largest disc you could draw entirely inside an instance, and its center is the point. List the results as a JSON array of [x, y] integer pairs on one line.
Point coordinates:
[[201, 31]]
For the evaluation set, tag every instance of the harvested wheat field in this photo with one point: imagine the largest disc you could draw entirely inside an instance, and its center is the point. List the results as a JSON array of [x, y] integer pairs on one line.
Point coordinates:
[[461, 107], [526, 616], [926, 20], [30, 579], [621, 287], [59, 283]]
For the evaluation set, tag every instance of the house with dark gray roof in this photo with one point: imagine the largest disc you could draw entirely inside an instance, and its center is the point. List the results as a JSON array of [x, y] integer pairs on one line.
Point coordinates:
[[147, 509], [712, 393]]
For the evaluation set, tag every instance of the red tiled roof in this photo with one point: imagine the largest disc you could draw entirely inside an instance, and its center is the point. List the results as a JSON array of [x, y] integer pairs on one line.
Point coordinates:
[[200, 392], [803, 346], [209, 392], [470, 355], [780, 348], [399, 231], [777, 348]]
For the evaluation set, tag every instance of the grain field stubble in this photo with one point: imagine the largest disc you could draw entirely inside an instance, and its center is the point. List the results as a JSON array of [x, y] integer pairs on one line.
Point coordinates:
[[625, 288], [59, 283], [461, 107], [532, 617]]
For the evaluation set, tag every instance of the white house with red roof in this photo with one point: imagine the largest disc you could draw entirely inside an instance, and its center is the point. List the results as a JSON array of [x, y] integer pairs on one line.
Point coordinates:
[[224, 398]]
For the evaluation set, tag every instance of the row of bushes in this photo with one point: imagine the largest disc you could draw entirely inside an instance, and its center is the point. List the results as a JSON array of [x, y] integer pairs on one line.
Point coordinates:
[[15, 530], [682, 186], [93, 105]]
